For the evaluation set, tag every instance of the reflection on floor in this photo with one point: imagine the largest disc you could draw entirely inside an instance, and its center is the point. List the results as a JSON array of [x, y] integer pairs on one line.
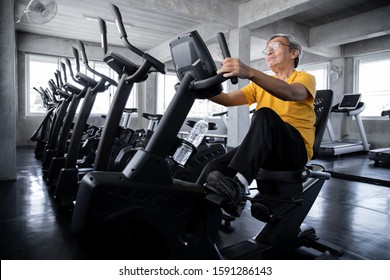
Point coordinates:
[[351, 214]]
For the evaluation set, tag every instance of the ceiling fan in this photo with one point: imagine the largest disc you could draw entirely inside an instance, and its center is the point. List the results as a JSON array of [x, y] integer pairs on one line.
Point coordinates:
[[35, 11]]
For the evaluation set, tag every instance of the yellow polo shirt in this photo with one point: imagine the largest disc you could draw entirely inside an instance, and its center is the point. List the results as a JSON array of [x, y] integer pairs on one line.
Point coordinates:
[[300, 114]]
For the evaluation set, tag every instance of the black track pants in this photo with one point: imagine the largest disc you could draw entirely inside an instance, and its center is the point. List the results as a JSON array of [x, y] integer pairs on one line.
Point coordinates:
[[270, 143]]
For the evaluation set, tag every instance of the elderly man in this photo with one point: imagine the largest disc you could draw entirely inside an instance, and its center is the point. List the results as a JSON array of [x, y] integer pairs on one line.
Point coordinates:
[[281, 134]]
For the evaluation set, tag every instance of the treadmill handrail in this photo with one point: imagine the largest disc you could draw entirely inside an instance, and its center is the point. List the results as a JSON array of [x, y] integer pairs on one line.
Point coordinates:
[[350, 112], [385, 113]]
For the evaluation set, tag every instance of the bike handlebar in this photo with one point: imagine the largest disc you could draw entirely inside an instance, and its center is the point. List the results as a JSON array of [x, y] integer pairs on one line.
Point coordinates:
[[225, 52], [118, 20], [67, 61], [85, 60], [156, 64], [103, 34], [77, 59], [64, 71]]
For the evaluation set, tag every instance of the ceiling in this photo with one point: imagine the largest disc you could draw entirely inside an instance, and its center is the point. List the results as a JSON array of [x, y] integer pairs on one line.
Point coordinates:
[[320, 25]]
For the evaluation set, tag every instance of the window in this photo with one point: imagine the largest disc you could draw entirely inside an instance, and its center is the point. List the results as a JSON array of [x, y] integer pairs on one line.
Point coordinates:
[[205, 108], [372, 81], [103, 99], [40, 69], [166, 91], [320, 72]]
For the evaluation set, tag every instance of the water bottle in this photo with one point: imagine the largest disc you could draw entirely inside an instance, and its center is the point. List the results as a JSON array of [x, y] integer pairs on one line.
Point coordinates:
[[192, 141]]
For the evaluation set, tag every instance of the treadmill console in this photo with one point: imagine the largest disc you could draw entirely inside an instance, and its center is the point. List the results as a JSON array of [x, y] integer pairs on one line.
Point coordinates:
[[350, 101]]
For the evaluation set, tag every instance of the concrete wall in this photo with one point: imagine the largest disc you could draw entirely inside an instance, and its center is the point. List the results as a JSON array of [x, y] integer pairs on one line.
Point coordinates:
[[8, 92]]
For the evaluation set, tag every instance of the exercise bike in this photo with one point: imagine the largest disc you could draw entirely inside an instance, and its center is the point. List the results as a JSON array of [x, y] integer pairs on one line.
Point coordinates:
[[144, 204], [42, 134], [68, 176], [54, 156], [130, 74]]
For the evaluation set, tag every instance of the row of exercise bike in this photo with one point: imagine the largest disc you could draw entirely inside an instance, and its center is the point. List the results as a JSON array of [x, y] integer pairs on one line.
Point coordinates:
[[127, 194]]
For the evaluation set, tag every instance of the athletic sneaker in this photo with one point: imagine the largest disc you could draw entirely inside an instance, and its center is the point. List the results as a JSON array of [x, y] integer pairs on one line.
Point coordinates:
[[231, 190]]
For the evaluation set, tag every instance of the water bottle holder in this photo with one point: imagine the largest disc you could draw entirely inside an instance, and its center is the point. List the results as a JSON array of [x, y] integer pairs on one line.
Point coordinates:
[[193, 151], [193, 148]]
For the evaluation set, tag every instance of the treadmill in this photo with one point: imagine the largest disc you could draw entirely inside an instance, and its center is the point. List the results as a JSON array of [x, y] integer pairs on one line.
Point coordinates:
[[381, 154], [352, 107]]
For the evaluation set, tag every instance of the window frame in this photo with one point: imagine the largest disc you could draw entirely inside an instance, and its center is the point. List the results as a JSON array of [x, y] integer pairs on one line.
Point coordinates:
[[28, 86], [161, 108], [325, 66], [133, 98], [356, 75], [161, 101]]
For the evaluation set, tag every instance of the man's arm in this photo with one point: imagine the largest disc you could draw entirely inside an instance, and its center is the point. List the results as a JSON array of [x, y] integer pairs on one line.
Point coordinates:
[[279, 88], [233, 67], [233, 98]]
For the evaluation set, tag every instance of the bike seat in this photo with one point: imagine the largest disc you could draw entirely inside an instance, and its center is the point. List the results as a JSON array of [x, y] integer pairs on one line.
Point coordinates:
[[153, 117], [130, 110]]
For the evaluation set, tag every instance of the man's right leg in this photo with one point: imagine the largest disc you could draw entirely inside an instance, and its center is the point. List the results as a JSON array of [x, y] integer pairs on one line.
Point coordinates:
[[270, 143]]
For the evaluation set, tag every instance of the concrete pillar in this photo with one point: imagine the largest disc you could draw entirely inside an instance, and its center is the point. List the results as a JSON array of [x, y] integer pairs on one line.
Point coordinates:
[[340, 85], [349, 126], [8, 92], [238, 120]]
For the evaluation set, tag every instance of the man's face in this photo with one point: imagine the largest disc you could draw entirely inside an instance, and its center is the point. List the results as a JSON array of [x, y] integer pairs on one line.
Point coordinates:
[[277, 53]]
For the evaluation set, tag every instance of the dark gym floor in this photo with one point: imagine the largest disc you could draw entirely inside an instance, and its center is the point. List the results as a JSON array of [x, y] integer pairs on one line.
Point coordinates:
[[352, 212]]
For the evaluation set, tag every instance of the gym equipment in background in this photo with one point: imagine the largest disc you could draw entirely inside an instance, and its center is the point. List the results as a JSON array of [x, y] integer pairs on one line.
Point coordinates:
[[352, 107]]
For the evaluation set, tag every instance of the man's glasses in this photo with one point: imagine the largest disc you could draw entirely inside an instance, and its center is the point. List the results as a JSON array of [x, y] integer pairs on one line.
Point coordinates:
[[274, 47]]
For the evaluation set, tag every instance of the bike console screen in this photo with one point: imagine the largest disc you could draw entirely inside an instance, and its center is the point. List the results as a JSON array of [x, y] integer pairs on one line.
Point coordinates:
[[190, 54]]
